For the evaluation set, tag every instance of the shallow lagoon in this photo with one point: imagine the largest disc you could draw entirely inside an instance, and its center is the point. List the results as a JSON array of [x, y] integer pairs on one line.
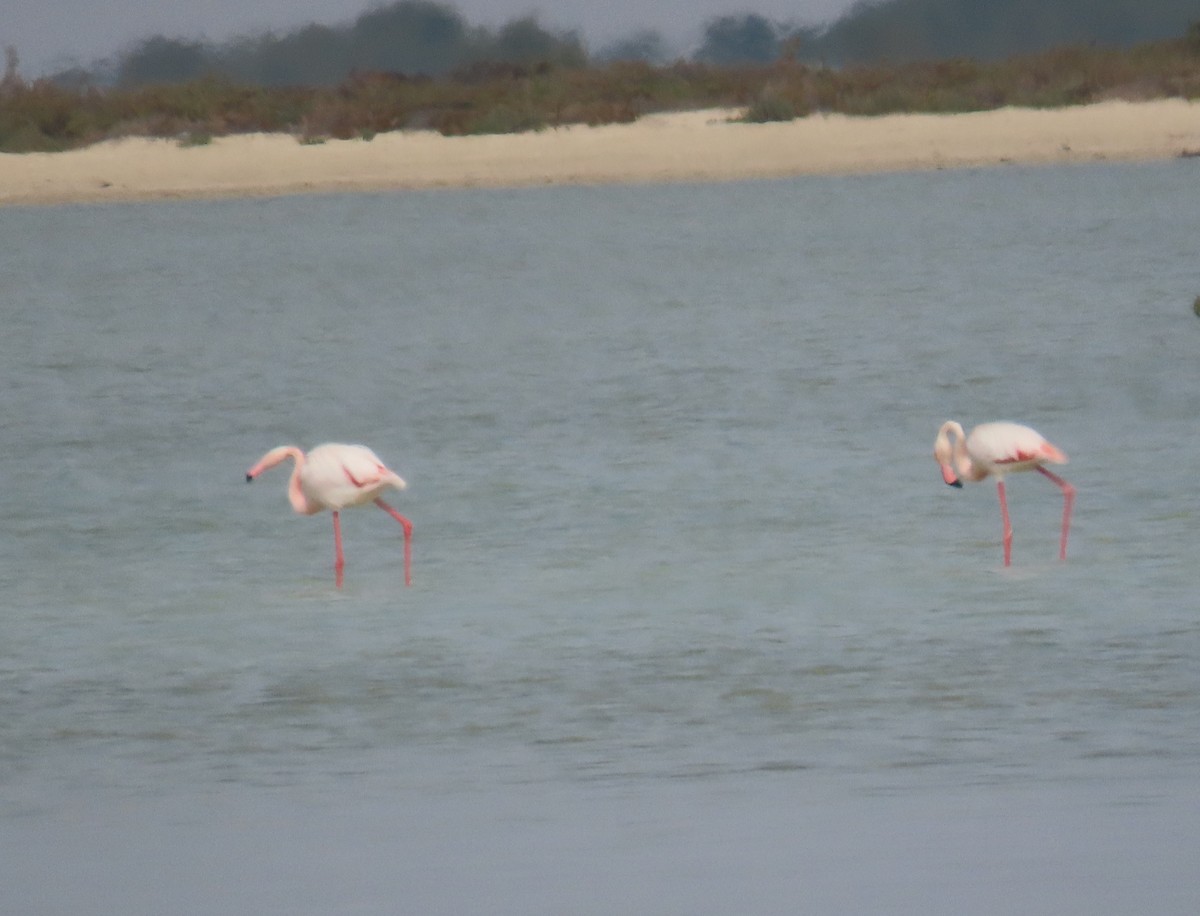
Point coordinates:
[[695, 626]]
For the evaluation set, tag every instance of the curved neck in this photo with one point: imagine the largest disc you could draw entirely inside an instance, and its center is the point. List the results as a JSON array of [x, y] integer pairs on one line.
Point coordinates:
[[277, 456], [952, 448], [295, 494]]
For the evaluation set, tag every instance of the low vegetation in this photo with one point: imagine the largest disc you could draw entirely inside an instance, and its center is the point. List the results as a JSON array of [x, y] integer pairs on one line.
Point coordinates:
[[497, 98]]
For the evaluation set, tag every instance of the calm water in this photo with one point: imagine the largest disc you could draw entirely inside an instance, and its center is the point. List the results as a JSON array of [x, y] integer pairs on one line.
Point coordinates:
[[695, 627]]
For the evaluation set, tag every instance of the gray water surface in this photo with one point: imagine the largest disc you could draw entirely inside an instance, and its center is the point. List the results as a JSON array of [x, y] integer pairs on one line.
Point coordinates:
[[695, 625]]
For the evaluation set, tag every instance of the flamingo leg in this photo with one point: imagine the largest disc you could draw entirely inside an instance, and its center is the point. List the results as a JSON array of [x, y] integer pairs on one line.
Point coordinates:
[[1068, 502], [339, 561], [1008, 532], [408, 530]]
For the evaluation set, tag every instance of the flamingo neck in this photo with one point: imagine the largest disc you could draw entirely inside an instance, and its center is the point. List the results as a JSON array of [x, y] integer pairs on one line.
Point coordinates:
[[295, 493], [960, 459]]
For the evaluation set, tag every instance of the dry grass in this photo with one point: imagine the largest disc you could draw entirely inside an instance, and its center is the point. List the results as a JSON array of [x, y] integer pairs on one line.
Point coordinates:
[[505, 98]]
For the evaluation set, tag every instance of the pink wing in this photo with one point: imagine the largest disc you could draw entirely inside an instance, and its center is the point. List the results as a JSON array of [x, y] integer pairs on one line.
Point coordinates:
[[1011, 446], [346, 475]]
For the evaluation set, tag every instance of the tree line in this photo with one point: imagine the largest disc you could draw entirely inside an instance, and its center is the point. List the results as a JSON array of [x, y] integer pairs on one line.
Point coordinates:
[[430, 39]]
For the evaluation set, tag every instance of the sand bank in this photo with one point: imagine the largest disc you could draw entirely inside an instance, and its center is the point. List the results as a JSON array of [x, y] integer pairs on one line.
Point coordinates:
[[690, 146]]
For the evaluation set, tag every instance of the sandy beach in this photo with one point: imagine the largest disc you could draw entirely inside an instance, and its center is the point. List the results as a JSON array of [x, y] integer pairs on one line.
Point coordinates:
[[687, 146]]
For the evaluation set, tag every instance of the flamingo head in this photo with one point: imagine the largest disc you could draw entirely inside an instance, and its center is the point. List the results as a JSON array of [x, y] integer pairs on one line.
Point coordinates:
[[273, 457], [949, 454], [296, 494]]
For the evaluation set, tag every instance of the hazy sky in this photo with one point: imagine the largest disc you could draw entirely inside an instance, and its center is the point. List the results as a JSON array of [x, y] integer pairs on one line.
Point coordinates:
[[53, 34]]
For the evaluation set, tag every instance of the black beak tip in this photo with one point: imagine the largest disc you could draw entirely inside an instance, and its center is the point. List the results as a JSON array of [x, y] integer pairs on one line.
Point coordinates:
[[957, 484], [249, 478]]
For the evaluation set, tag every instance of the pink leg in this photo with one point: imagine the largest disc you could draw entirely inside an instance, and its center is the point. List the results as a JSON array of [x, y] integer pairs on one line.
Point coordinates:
[[408, 529], [339, 561], [1068, 502], [1007, 525]]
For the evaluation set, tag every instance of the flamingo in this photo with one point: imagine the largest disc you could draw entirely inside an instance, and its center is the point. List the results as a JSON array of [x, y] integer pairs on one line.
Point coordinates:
[[997, 449], [333, 476]]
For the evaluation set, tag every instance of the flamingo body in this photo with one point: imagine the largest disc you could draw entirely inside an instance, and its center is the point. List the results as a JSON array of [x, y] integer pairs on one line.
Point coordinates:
[[336, 476], [332, 477], [996, 450]]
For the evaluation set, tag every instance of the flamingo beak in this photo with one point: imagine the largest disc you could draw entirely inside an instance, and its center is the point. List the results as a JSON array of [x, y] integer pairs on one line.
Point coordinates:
[[249, 478], [950, 477]]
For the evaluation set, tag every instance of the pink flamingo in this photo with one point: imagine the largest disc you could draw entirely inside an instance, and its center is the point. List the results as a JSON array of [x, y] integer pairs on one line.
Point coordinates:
[[997, 449], [333, 476]]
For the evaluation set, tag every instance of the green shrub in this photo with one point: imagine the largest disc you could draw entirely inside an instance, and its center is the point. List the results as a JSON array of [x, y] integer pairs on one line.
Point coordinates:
[[196, 138], [506, 119], [769, 105]]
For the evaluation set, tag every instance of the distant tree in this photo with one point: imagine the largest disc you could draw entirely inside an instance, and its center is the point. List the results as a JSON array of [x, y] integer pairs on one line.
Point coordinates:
[[645, 46], [75, 79], [748, 39], [1192, 36], [12, 79], [413, 36], [314, 55], [524, 41], [163, 60], [904, 30]]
